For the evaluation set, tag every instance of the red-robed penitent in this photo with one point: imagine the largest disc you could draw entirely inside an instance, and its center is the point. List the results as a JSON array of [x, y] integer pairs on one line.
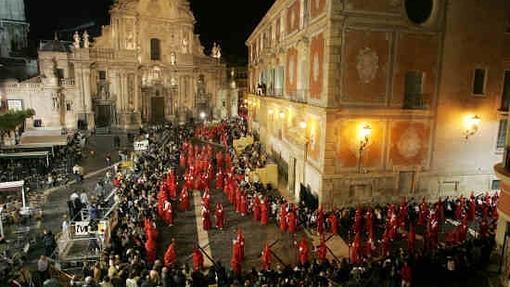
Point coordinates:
[[266, 257], [206, 219], [170, 256], [356, 249], [206, 199], [219, 180], [292, 221], [184, 203], [150, 250], [283, 217], [235, 262], [423, 213], [241, 240], [369, 219], [198, 260], [411, 238], [220, 216], [369, 247], [264, 212], [357, 221], [333, 223], [303, 251], [170, 182], [322, 249], [243, 204], [168, 213]]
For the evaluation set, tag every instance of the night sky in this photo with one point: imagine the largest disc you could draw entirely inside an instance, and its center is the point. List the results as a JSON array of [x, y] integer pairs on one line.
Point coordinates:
[[228, 22]]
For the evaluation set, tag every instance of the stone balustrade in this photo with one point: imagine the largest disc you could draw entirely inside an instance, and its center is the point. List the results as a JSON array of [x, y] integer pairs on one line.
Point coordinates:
[[111, 54]]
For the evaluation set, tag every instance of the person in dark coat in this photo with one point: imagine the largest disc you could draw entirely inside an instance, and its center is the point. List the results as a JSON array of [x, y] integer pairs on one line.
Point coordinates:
[[49, 242]]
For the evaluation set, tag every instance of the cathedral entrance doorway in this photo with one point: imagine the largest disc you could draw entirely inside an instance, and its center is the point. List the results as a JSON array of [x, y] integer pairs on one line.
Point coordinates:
[[157, 109], [104, 115]]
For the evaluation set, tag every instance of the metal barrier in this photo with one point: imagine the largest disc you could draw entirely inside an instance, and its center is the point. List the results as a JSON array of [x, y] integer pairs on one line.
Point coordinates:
[[61, 276], [81, 243]]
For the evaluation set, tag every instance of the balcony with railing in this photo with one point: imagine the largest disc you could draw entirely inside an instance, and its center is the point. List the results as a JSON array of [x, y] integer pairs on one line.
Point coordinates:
[[298, 96], [264, 91], [415, 101]]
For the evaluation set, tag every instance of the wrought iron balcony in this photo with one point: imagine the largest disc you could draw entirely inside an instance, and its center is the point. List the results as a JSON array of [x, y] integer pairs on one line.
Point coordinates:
[[414, 102], [298, 96]]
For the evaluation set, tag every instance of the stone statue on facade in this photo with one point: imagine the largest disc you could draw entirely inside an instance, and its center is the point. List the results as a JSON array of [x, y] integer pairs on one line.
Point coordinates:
[[213, 50], [185, 44], [131, 45], [173, 59], [76, 38], [86, 41], [216, 51]]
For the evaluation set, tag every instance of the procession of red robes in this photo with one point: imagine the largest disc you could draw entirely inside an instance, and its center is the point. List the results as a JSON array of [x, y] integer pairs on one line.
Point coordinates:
[[200, 173]]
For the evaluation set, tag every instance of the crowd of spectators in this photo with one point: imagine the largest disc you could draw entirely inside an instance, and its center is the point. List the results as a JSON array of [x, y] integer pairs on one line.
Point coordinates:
[[42, 173], [123, 261]]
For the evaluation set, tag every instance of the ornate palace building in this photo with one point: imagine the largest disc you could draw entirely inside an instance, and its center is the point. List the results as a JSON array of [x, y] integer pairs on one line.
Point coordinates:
[[376, 100], [146, 66]]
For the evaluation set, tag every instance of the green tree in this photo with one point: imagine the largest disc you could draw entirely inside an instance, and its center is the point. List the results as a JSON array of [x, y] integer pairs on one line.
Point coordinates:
[[10, 120]]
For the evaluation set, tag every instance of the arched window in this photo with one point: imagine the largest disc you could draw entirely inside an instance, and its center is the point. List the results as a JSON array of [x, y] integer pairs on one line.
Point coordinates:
[[155, 49]]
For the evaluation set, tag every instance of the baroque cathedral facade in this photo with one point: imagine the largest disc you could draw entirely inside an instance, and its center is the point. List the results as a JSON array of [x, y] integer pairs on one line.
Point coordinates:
[[146, 66]]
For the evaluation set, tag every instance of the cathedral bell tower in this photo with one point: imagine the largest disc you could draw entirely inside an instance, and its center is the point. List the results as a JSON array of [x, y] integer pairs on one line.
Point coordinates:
[[13, 28]]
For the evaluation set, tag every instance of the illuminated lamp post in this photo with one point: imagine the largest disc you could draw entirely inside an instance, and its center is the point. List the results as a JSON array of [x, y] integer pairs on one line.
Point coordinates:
[[472, 125], [364, 135]]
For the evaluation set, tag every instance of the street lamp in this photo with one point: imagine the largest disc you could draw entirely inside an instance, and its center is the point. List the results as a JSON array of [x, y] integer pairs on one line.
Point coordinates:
[[472, 125], [202, 115], [364, 134]]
